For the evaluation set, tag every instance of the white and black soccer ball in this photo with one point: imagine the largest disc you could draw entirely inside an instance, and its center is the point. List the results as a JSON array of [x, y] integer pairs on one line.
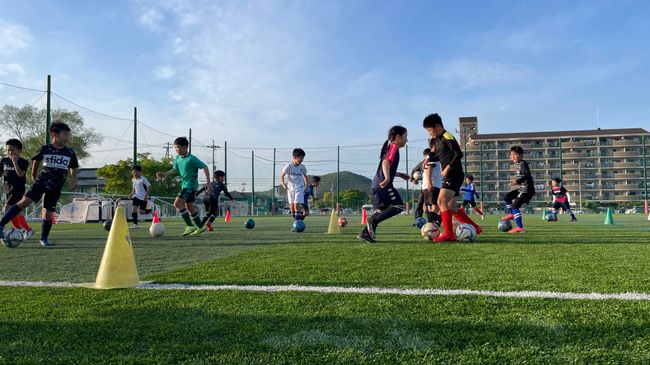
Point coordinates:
[[13, 238], [417, 176], [465, 233], [430, 231]]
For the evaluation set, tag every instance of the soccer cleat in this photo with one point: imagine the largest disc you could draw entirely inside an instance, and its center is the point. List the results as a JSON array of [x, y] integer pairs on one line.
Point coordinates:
[[482, 217], [188, 230], [210, 229], [508, 217], [135, 226], [29, 234], [517, 230], [445, 238], [364, 236], [46, 243], [198, 231]]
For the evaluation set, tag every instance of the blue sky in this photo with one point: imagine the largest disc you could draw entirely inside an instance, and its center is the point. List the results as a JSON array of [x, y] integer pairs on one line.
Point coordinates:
[[325, 73]]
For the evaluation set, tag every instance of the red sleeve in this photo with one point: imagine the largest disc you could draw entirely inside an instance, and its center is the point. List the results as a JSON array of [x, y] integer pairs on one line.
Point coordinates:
[[392, 150]]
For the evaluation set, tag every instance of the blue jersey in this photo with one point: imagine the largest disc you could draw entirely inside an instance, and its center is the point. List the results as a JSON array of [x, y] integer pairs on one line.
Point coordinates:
[[470, 192]]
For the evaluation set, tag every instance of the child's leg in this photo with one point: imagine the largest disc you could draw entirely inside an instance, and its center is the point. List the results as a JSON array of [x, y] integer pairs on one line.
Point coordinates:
[[517, 213], [476, 208], [134, 214], [195, 214], [446, 202], [14, 211], [181, 208], [46, 225]]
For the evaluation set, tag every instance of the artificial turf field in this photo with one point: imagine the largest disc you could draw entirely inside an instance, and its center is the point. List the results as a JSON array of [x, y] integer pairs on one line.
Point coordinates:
[[79, 325]]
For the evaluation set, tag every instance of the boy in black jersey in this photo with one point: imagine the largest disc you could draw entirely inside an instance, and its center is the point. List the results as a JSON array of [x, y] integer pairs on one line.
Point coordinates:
[[524, 192], [58, 160], [13, 169], [450, 155], [212, 198]]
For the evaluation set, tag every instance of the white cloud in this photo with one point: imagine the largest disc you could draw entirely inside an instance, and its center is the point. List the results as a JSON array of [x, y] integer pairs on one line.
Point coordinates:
[[470, 74], [151, 19], [164, 72], [11, 68], [14, 37]]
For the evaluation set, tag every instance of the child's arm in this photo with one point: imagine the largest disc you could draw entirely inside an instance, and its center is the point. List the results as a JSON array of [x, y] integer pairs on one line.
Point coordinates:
[[304, 176], [162, 175], [208, 183], [132, 194], [35, 166], [282, 175], [17, 168], [385, 168], [148, 190], [73, 183]]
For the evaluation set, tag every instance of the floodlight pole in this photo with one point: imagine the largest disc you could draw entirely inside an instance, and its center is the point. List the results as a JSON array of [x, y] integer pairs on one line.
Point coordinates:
[[273, 185], [645, 174], [408, 195], [253, 183], [135, 136], [48, 109]]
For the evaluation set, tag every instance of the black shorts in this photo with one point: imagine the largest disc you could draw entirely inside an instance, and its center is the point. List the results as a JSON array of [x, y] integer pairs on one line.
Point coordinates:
[[50, 195], [518, 198], [564, 205], [141, 204], [212, 206], [384, 198], [189, 195], [14, 194], [471, 203], [454, 181]]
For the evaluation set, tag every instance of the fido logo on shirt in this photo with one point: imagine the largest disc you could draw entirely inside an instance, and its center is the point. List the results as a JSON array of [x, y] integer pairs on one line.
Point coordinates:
[[56, 161]]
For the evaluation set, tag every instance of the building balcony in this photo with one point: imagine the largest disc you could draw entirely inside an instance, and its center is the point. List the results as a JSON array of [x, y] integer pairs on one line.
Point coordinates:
[[574, 155], [625, 142], [627, 176], [627, 198], [625, 153], [623, 165], [572, 144], [473, 158], [627, 186], [574, 176]]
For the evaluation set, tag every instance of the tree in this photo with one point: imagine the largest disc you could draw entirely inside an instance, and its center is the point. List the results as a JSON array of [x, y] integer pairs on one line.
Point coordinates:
[[28, 125], [325, 200], [118, 176], [354, 198]]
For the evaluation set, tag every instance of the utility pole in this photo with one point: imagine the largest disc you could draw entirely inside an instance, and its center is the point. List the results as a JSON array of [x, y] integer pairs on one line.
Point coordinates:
[[213, 147], [135, 136], [48, 118], [167, 147]]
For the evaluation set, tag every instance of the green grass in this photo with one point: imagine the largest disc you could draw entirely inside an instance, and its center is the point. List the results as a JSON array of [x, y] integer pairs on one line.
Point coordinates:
[[136, 326]]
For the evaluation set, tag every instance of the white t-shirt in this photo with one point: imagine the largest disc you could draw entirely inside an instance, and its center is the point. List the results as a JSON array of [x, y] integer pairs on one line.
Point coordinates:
[[140, 187], [294, 176], [436, 175]]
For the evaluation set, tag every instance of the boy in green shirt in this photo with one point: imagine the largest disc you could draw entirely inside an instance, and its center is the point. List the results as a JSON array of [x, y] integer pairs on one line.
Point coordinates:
[[187, 166]]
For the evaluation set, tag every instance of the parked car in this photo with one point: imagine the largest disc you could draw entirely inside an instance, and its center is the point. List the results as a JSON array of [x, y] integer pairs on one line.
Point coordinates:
[[313, 211]]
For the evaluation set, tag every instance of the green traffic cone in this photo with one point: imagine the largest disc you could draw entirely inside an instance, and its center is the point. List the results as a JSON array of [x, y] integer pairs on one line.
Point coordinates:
[[608, 217]]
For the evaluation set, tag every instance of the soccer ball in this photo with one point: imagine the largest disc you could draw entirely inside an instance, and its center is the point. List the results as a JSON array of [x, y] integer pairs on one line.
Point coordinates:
[[417, 175], [505, 226], [157, 230], [299, 226], [551, 217], [249, 224], [108, 224], [13, 238], [465, 233], [430, 231], [343, 222], [420, 222]]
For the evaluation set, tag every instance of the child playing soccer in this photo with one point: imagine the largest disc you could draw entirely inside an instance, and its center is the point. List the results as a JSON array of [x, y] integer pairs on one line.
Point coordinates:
[[385, 198], [187, 166], [57, 161], [470, 194], [310, 192], [524, 192], [293, 179], [561, 199], [450, 156], [212, 198], [139, 195], [13, 169]]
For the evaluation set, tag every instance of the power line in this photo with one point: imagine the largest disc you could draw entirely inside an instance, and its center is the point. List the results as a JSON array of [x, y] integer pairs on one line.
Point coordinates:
[[21, 87], [91, 110]]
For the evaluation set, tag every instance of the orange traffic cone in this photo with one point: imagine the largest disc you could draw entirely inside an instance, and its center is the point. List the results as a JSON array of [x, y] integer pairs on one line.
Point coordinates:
[[156, 218], [227, 220], [53, 220], [364, 217]]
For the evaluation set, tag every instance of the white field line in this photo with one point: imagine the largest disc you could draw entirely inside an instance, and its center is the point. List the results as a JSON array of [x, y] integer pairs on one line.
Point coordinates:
[[352, 290]]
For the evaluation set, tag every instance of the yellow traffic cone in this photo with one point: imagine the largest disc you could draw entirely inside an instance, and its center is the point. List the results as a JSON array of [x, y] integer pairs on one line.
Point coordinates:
[[334, 224], [118, 269]]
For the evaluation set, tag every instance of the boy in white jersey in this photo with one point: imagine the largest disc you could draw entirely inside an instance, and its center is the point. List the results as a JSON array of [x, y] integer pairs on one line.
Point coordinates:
[[432, 177], [139, 195], [294, 179]]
